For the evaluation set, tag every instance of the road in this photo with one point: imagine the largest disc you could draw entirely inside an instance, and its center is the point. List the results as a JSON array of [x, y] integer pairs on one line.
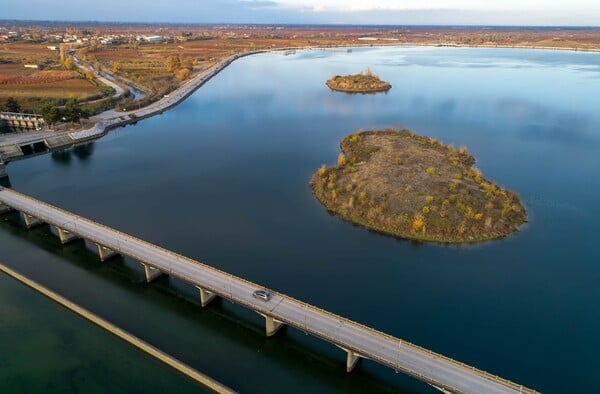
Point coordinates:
[[118, 89], [395, 353]]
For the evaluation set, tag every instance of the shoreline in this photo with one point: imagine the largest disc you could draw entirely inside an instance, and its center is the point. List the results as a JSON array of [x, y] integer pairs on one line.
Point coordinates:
[[145, 347], [10, 151]]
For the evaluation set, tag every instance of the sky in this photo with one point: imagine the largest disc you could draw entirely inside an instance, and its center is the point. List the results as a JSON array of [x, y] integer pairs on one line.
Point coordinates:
[[394, 12]]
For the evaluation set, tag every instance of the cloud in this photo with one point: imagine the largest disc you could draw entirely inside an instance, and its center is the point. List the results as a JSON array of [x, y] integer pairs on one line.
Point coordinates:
[[258, 3]]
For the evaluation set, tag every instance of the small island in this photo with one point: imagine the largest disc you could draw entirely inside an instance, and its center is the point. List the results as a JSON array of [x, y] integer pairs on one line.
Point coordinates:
[[365, 82], [414, 187]]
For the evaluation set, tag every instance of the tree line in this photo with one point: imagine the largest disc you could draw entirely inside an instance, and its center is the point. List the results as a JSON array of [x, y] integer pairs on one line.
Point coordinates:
[[71, 112]]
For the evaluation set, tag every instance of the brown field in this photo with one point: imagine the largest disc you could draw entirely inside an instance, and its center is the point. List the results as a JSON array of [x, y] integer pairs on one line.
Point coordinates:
[[30, 86], [78, 88], [37, 78], [20, 53]]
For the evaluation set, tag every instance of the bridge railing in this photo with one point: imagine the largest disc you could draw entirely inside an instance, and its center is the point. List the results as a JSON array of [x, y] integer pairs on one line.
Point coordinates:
[[20, 116], [116, 235]]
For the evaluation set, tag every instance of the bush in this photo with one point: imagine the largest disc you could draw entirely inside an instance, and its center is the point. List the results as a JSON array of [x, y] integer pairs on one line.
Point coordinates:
[[429, 199], [323, 171], [430, 171], [418, 223], [355, 137], [341, 161]]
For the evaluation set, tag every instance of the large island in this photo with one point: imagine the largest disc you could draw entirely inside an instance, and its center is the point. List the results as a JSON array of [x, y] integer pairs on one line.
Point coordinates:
[[366, 82], [415, 187]]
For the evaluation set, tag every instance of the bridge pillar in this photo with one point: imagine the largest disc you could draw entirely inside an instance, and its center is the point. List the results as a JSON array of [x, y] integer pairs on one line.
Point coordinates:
[[272, 325], [443, 390], [64, 235], [105, 253], [205, 296], [29, 220], [151, 272], [4, 208], [352, 359]]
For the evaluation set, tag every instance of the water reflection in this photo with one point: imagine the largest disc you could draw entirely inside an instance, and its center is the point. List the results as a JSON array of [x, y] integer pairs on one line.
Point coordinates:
[[84, 152], [62, 157], [5, 182]]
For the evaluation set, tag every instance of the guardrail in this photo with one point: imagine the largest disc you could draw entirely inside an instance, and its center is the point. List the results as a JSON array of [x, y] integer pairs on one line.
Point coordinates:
[[117, 241], [19, 115]]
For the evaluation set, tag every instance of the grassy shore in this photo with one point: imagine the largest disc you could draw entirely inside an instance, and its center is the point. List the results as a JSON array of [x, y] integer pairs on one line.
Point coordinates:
[[415, 187]]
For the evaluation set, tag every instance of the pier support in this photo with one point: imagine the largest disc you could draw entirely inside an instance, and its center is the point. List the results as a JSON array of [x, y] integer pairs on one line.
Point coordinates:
[[64, 235], [272, 325], [151, 272], [443, 390], [4, 208], [30, 220], [103, 252], [352, 359], [205, 296]]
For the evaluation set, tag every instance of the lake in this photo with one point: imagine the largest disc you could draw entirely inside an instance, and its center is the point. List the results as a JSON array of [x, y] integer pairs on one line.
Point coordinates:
[[224, 178]]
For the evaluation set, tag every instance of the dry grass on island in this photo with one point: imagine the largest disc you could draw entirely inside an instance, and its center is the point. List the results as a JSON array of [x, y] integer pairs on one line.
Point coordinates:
[[366, 82], [415, 187]]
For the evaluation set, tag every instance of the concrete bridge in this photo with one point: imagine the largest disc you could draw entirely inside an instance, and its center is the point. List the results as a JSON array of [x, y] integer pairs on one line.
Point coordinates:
[[22, 121], [358, 341]]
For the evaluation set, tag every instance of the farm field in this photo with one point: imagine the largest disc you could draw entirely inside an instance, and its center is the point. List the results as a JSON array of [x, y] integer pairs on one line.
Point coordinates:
[[31, 86]]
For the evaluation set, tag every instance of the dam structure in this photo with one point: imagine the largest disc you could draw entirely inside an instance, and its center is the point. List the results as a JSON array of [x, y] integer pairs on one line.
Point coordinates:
[[356, 340], [22, 120]]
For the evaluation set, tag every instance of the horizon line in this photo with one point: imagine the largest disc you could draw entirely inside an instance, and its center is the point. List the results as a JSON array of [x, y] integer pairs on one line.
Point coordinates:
[[296, 24]]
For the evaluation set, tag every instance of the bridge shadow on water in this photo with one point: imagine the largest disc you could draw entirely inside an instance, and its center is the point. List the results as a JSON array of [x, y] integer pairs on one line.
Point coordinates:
[[167, 314], [5, 182], [82, 152]]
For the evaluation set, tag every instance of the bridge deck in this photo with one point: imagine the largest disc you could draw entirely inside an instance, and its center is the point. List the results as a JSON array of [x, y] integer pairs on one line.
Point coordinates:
[[395, 353]]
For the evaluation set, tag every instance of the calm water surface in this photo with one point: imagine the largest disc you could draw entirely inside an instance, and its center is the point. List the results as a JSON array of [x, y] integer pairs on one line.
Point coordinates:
[[223, 178]]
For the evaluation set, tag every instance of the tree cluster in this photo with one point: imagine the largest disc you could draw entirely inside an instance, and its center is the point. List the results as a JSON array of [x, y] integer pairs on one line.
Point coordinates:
[[11, 105], [71, 112]]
